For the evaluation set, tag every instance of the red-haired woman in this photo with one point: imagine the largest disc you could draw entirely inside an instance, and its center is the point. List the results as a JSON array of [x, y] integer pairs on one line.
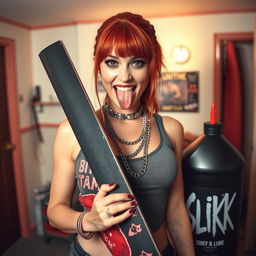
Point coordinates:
[[128, 60]]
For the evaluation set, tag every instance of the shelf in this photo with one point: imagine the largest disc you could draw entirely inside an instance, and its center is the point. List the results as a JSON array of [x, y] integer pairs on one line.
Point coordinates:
[[40, 104], [46, 103]]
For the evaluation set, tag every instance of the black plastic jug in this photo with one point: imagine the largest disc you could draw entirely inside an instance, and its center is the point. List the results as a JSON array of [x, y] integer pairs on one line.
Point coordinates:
[[212, 171]]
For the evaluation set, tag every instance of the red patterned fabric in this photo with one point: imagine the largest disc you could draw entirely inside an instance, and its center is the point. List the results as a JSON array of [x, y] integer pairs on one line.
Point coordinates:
[[232, 102]]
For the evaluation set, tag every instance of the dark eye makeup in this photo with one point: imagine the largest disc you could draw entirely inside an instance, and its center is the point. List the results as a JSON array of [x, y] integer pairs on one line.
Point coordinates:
[[135, 63], [138, 63], [111, 62]]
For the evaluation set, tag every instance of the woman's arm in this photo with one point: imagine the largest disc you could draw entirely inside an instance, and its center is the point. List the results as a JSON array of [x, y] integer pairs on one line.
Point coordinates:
[[177, 219], [59, 211]]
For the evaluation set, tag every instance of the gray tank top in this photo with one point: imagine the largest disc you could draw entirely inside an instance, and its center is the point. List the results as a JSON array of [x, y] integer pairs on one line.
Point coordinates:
[[151, 190]]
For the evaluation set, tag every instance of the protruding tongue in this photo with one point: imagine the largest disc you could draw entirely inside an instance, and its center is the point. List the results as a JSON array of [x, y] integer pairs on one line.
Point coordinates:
[[124, 98]]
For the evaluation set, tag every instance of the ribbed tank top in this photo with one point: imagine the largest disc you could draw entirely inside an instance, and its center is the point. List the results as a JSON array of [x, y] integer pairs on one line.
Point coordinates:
[[151, 190]]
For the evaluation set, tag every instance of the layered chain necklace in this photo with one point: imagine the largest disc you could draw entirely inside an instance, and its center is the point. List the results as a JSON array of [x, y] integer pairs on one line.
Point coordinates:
[[143, 139]]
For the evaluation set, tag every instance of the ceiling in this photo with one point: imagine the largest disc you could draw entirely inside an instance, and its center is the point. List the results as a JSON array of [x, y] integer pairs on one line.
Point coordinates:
[[35, 13]]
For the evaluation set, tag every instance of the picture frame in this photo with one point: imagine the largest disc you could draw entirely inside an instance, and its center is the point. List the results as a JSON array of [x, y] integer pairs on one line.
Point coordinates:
[[179, 92]]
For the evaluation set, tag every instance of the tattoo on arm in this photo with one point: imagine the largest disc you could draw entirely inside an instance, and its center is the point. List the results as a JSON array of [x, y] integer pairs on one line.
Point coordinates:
[[175, 227]]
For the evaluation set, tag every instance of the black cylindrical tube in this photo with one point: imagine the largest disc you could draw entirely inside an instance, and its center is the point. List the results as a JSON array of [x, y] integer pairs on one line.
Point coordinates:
[[95, 147]]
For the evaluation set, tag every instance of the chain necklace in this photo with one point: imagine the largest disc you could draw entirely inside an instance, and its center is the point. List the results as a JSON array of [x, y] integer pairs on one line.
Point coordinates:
[[144, 123], [144, 138], [117, 138]]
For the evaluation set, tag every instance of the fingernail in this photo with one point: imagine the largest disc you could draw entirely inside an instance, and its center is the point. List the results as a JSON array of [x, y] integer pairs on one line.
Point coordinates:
[[130, 197], [111, 185], [134, 203], [132, 211]]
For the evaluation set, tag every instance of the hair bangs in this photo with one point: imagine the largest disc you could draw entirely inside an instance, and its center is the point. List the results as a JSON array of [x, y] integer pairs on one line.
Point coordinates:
[[126, 40], [132, 42]]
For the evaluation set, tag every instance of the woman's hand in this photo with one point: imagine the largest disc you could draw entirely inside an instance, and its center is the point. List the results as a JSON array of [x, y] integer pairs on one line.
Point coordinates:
[[108, 210]]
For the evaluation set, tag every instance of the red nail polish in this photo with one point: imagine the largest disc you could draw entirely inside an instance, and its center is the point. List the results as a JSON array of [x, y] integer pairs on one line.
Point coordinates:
[[130, 197], [111, 185], [134, 203], [132, 211]]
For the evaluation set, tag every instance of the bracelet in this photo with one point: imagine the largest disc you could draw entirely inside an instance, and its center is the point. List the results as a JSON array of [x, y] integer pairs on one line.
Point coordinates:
[[84, 234]]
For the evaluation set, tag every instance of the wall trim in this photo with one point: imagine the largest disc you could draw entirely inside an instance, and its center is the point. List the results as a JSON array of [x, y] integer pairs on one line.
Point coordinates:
[[15, 23], [41, 125]]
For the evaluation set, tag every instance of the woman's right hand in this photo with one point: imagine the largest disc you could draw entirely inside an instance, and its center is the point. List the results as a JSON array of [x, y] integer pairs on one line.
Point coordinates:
[[108, 210]]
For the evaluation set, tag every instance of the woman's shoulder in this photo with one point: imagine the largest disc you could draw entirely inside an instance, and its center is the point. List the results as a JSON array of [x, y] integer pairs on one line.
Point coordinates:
[[67, 138], [172, 124], [65, 130], [173, 128], [64, 126]]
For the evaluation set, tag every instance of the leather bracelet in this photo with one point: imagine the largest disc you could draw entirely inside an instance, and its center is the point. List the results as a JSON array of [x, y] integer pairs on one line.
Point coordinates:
[[84, 234]]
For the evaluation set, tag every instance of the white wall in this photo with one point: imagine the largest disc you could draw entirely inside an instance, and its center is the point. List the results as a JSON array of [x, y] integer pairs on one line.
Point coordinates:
[[22, 38], [41, 39], [32, 169], [85, 40]]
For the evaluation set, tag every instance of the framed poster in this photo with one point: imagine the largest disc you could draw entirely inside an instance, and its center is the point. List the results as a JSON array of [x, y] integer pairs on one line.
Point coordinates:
[[179, 92]]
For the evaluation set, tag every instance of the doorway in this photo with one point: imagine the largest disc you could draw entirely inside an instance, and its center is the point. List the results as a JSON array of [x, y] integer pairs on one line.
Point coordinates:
[[13, 207], [243, 44], [9, 219]]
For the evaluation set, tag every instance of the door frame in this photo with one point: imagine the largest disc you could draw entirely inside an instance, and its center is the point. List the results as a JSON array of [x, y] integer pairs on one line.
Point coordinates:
[[250, 222], [218, 38], [15, 135], [250, 234]]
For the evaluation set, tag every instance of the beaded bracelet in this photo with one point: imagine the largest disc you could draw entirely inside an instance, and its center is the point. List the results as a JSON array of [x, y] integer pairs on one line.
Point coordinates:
[[84, 234]]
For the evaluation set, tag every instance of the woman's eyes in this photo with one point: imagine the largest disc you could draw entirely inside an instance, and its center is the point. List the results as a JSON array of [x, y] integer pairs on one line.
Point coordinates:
[[136, 63], [111, 63]]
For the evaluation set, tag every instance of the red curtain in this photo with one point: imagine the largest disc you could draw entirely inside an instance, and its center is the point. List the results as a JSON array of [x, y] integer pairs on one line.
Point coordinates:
[[232, 101]]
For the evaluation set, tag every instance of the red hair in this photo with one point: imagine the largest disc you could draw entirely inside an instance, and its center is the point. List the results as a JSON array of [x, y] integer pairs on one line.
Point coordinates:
[[131, 35]]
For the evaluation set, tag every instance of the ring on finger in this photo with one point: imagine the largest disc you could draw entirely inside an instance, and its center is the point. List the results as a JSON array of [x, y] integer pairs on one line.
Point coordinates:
[[108, 213]]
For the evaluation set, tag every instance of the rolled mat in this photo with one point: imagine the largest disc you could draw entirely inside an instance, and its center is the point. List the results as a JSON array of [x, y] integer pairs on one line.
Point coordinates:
[[131, 237]]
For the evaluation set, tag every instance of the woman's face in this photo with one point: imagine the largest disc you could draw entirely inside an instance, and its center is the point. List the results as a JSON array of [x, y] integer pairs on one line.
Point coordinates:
[[125, 80]]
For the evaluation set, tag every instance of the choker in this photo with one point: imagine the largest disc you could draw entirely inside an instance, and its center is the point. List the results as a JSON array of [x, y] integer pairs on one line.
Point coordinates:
[[121, 116]]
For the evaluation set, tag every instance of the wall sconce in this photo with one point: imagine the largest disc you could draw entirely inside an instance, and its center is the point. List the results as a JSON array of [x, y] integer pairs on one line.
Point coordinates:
[[180, 54]]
